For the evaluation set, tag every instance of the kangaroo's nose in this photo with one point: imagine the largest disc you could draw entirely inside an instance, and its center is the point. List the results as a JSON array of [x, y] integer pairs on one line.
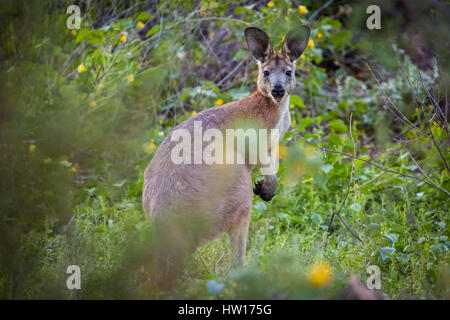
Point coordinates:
[[278, 91]]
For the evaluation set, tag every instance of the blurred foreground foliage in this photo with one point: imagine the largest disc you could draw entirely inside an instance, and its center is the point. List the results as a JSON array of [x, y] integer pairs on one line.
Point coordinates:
[[83, 111]]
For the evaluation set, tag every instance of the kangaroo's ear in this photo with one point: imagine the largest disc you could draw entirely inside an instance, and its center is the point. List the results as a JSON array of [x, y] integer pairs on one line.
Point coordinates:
[[258, 42], [295, 43]]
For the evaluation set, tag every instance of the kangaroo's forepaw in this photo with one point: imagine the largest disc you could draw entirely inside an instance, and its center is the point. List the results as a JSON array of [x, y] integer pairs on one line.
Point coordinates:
[[257, 188], [266, 188]]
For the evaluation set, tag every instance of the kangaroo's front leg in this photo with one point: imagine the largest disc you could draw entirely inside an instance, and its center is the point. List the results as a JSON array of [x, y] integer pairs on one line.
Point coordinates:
[[267, 187]]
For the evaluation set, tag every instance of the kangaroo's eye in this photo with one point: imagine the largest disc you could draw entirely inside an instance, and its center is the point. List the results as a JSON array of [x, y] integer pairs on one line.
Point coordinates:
[[289, 73], [266, 73]]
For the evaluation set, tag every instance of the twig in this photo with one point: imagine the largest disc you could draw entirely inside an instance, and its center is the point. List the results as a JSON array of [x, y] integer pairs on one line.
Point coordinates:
[[337, 213], [231, 73], [394, 110], [379, 166], [437, 147], [434, 102], [318, 11]]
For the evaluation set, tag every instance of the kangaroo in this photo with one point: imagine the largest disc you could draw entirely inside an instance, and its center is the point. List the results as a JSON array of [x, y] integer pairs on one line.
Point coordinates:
[[193, 203]]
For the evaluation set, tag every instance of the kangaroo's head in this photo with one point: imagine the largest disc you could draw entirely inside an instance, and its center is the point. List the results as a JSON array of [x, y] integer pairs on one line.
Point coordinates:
[[276, 76]]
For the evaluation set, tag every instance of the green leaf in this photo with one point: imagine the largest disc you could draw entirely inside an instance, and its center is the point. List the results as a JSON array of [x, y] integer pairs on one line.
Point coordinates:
[[392, 238], [260, 206], [297, 101], [387, 252], [326, 168], [337, 125], [237, 94], [100, 228], [342, 38], [143, 16], [82, 35], [153, 30], [304, 123]]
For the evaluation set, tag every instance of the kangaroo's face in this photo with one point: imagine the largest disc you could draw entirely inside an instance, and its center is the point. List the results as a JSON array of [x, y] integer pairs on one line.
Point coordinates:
[[276, 69]]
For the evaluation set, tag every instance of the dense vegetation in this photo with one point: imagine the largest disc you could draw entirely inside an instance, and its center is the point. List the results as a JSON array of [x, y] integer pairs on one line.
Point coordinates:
[[84, 110]]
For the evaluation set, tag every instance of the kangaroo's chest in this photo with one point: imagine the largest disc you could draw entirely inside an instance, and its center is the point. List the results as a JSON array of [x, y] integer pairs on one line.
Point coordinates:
[[284, 121]]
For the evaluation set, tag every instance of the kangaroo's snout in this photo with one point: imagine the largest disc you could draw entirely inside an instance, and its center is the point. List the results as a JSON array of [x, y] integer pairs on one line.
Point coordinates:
[[278, 92]]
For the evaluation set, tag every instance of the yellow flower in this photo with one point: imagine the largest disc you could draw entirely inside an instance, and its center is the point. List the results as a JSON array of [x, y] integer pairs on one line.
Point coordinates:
[[193, 113], [302, 9], [320, 274], [73, 169], [32, 148], [282, 151], [74, 32], [140, 25], [292, 124], [319, 35], [291, 106], [282, 38], [311, 179], [130, 78], [92, 104], [271, 4], [310, 43], [286, 18], [219, 102], [303, 57], [123, 37], [81, 68], [356, 186], [47, 160], [174, 83], [149, 147]]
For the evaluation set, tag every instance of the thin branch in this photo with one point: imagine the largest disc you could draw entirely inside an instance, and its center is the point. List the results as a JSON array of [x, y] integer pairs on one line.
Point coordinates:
[[379, 166], [437, 147], [231, 72], [337, 213], [421, 170], [433, 101], [395, 111], [428, 122], [311, 18]]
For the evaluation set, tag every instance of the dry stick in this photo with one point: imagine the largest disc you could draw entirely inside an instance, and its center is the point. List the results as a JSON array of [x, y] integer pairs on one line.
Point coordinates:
[[397, 112], [337, 213], [421, 170], [433, 101], [231, 72], [311, 18], [437, 110], [379, 166], [437, 147], [408, 123]]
